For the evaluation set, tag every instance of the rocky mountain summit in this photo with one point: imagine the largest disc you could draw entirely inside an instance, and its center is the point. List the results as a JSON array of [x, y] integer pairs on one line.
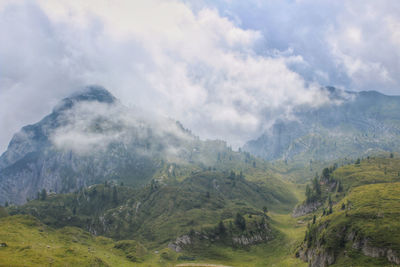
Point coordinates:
[[90, 137]]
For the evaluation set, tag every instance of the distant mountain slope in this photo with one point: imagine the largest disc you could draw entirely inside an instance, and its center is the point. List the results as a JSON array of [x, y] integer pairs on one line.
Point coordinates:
[[90, 137], [362, 122]]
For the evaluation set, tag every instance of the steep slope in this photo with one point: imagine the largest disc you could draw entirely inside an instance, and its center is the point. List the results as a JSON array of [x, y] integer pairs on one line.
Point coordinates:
[[351, 125], [358, 222], [90, 138]]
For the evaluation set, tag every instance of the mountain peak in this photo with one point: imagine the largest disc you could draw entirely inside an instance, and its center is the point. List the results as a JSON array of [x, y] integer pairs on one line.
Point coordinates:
[[87, 94]]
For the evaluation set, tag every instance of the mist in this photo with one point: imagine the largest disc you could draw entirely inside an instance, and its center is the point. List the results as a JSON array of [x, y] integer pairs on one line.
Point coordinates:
[[190, 62]]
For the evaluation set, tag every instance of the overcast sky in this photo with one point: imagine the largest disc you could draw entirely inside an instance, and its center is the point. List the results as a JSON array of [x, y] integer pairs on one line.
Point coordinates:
[[217, 66]]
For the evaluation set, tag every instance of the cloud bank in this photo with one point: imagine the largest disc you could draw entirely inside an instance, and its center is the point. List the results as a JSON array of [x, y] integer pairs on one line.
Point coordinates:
[[214, 67], [350, 44]]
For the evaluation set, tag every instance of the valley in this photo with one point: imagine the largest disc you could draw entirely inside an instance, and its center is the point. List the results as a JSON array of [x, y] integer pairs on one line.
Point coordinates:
[[149, 192]]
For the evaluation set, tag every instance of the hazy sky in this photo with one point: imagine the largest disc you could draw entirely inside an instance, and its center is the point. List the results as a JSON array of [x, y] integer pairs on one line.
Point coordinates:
[[218, 66]]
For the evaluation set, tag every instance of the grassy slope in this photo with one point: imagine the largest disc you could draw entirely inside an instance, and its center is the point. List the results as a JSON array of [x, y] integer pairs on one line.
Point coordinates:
[[369, 171], [371, 198], [30, 243], [34, 244], [372, 212]]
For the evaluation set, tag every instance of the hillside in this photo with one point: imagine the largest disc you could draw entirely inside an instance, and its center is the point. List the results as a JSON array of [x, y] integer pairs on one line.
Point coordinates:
[[157, 213], [357, 221], [28, 242]]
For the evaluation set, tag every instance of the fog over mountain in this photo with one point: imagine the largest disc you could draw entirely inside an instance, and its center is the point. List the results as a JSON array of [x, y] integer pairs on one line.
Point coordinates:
[[90, 138], [218, 67]]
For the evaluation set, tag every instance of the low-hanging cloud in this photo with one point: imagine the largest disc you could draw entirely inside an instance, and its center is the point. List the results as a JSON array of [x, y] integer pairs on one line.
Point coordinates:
[[160, 56], [91, 127]]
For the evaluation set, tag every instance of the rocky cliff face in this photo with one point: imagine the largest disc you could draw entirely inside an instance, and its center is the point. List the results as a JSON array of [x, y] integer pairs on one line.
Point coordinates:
[[364, 245], [351, 125], [258, 233], [319, 255]]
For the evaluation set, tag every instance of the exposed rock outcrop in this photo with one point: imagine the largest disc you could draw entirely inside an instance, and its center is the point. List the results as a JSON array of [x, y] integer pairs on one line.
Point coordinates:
[[365, 246], [258, 233], [306, 208], [319, 256]]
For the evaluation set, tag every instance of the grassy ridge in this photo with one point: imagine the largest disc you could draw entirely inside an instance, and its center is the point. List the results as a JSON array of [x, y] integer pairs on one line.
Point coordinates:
[[369, 171]]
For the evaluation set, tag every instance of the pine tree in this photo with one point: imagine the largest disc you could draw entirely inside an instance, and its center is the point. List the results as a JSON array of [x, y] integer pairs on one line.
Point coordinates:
[[338, 187], [330, 209], [115, 195], [326, 174], [309, 193], [317, 186], [240, 222], [265, 209], [43, 194], [221, 228]]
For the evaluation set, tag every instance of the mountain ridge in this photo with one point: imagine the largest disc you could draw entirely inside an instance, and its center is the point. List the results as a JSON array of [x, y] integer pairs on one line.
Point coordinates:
[[364, 122]]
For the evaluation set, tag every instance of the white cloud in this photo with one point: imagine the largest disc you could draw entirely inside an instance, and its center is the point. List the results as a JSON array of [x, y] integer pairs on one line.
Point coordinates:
[[362, 42], [353, 44], [194, 66]]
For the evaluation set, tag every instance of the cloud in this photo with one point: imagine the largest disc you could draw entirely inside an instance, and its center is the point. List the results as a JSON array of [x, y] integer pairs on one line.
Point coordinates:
[[350, 44], [164, 57], [363, 44], [91, 127]]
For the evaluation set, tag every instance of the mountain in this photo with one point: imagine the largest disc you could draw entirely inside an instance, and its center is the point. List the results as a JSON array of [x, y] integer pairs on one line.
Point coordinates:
[[356, 223], [90, 138], [349, 125]]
